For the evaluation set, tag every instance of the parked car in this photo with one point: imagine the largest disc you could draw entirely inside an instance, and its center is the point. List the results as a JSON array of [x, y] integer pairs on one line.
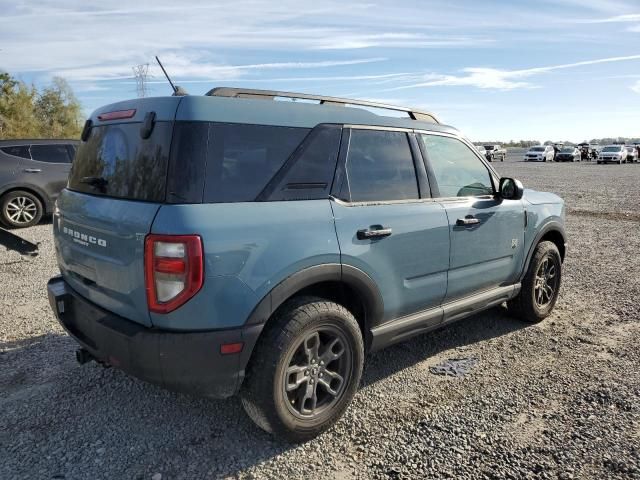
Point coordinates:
[[495, 151], [539, 153], [213, 244], [613, 154], [588, 151], [632, 153], [32, 174], [568, 154]]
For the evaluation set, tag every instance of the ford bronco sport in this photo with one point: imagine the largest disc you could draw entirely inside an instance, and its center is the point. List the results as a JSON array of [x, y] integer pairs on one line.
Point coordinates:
[[232, 243]]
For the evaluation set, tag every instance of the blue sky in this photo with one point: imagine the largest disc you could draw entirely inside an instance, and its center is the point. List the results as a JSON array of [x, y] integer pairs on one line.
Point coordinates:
[[560, 70]]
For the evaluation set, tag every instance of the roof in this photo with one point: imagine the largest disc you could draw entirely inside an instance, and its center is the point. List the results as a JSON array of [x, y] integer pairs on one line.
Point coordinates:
[[239, 106]]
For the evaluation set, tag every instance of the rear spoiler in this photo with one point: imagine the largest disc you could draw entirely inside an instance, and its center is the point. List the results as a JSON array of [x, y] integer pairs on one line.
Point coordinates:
[[18, 244]]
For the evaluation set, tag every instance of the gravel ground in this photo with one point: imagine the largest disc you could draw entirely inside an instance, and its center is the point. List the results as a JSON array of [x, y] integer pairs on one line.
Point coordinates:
[[556, 400]]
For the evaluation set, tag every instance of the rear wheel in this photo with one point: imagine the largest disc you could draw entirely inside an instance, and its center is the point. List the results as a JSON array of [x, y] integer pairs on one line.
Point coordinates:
[[305, 369], [20, 209], [540, 286]]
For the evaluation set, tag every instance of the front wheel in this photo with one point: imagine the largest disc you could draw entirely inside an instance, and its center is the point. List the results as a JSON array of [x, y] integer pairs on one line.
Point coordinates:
[[540, 286], [305, 369]]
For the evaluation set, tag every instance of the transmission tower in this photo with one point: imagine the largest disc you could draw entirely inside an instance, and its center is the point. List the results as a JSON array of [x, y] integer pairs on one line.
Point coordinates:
[[140, 72]]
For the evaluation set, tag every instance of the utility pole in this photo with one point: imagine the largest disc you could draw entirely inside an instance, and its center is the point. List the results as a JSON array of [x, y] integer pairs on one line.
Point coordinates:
[[140, 72]]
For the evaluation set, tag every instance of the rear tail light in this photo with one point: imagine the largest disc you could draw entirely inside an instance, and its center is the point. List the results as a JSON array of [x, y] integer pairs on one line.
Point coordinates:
[[174, 270]]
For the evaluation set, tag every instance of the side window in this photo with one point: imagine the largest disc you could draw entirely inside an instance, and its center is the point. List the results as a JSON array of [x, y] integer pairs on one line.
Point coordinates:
[[50, 153], [21, 151], [380, 167], [458, 172], [242, 159]]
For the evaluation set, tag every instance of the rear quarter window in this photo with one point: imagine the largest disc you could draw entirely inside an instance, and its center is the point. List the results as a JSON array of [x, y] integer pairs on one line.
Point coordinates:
[[242, 159]]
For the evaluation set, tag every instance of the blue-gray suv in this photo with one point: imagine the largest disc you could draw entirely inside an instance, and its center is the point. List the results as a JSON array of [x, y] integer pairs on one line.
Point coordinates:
[[240, 243]]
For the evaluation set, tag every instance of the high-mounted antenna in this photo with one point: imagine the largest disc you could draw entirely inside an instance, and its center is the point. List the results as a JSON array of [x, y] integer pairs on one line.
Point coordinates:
[[177, 90]]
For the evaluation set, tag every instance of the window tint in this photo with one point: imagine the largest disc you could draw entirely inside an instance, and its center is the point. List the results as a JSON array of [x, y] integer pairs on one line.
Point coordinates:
[[116, 162], [380, 167], [17, 151], [309, 172], [458, 171], [242, 159], [50, 153]]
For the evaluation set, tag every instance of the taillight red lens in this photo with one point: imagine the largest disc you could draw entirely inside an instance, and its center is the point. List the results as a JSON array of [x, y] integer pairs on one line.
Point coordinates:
[[174, 270]]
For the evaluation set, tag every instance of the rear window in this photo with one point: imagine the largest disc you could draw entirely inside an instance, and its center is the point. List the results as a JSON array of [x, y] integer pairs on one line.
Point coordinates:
[[116, 161], [242, 159]]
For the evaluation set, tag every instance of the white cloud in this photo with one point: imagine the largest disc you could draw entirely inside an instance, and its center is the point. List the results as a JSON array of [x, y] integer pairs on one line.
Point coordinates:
[[636, 87], [196, 66], [492, 78]]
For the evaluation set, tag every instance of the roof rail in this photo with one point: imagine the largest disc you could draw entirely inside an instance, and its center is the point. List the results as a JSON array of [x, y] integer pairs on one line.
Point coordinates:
[[273, 94]]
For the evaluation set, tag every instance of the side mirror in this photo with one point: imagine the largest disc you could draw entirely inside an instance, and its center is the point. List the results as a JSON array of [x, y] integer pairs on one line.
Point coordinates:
[[510, 189]]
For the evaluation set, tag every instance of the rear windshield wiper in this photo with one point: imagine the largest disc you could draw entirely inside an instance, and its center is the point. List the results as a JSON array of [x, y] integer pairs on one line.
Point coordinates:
[[97, 182]]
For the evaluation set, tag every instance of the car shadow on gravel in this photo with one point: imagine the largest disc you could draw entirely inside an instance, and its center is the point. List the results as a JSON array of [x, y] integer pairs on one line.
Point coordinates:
[[138, 429], [491, 323]]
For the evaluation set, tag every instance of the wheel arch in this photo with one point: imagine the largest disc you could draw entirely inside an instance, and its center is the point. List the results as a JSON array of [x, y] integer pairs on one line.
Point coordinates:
[[343, 284], [552, 231]]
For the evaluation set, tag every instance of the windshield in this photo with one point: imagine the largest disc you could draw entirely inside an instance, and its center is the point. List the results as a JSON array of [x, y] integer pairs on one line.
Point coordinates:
[[537, 149], [488, 147], [611, 149], [567, 150]]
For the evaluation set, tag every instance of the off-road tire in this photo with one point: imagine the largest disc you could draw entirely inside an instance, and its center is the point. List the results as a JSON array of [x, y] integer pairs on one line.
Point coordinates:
[[13, 198], [262, 394], [524, 306]]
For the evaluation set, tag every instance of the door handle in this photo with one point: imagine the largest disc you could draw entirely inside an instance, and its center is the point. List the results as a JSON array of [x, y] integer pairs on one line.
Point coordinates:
[[32, 170], [367, 233], [465, 222]]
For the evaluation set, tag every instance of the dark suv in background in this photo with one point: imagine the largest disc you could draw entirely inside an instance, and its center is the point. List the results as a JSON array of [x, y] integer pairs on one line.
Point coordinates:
[[32, 174]]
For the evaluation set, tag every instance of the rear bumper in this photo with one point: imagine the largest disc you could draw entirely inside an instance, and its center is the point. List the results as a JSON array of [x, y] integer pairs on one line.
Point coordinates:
[[188, 362]]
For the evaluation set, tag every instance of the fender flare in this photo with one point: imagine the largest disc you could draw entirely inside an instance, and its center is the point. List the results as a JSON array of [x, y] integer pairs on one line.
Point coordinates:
[[550, 226], [331, 272]]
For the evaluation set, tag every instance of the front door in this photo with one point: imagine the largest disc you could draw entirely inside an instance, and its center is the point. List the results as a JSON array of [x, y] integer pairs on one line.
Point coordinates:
[[388, 227], [487, 232]]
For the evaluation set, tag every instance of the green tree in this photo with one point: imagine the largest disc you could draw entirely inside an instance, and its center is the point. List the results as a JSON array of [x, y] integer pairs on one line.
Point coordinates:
[[58, 111], [26, 113]]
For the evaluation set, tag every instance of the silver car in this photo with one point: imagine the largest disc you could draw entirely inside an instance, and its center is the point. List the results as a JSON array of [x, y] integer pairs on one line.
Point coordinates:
[[632, 154], [539, 153], [613, 154]]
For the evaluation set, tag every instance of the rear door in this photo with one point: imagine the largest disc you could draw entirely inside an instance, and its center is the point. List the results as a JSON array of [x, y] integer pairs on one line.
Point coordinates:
[[487, 233], [49, 167], [386, 223], [117, 184]]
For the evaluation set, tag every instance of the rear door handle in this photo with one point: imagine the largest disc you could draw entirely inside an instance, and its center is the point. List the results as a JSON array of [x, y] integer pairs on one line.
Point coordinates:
[[466, 221], [367, 233], [32, 170]]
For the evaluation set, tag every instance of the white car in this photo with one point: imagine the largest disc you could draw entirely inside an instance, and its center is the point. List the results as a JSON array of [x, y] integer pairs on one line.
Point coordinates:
[[632, 154], [539, 153], [482, 150], [613, 154]]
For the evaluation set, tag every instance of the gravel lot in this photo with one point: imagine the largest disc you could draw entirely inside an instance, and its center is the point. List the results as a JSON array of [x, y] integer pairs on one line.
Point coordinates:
[[555, 400]]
